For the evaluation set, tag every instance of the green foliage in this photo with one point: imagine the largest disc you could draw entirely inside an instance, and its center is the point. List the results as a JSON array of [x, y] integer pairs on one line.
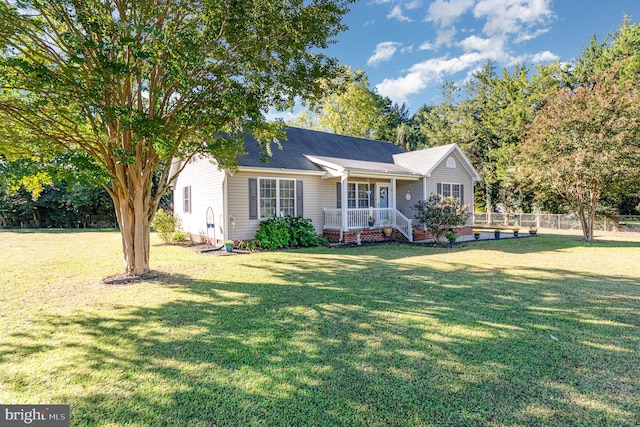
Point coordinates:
[[441, 215], [180, 236], [166, 225], [285, 232], [583, 145], [59, 205], [302, 231]]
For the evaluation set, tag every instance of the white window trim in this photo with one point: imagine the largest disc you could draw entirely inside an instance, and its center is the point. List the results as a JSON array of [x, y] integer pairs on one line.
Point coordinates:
[[451, 184], [451, 163], [372, 187], [187, 203], [295, 196]]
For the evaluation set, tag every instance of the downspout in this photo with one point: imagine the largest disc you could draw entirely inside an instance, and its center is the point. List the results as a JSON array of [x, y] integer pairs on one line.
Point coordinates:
[[225, 208]]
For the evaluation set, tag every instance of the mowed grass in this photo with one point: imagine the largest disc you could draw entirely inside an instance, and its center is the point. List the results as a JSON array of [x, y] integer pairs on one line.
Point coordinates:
[[536, 331]]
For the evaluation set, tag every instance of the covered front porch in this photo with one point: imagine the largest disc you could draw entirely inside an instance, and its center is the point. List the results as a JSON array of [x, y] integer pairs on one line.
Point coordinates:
[[358, 219], [366, 196]]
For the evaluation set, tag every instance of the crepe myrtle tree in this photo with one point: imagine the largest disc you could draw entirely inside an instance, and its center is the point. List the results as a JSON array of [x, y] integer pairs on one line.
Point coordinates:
[[136, 84], [440, 215], [583, 145]]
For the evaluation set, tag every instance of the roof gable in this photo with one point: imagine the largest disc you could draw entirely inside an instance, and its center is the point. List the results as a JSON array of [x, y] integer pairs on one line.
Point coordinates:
[[425, 161]]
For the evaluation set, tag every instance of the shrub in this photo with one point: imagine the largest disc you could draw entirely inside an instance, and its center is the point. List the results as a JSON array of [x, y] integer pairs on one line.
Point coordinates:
[[165, 225], [440, 215], [285, 232], [180, 236]]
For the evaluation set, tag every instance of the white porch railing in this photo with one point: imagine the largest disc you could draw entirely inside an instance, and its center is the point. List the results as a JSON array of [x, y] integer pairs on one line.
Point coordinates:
[[403, 224], [358, 218]]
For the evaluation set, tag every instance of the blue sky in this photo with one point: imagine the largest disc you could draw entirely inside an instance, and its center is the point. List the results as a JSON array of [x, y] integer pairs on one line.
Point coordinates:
[[408, 48]]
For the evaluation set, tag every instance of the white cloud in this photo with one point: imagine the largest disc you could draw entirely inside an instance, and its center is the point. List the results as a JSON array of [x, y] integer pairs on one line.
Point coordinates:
[[421, 75], [445, 12], [413, 4], [427, 46], [504, 22], [384, 52], [480, 44], [445, 36], [396, 13], [545, 56], [523, 37], [511, 16]]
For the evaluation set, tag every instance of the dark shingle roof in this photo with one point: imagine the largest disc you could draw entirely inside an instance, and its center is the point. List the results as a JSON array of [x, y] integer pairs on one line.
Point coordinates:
[[301, 142]]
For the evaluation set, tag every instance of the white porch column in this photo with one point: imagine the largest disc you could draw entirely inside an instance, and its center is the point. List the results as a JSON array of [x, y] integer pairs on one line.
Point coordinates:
[[393, 194], [424, 188], [344, 203]]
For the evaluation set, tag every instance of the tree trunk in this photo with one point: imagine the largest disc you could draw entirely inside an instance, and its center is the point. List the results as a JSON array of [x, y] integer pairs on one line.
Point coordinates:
[[594, 197], [133, 214]]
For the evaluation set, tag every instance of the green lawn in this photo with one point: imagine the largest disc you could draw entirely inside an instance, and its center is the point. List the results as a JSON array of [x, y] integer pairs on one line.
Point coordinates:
[[535, 331]]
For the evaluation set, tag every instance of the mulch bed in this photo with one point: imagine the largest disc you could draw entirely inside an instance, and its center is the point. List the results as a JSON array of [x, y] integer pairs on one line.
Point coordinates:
[[126, 278]]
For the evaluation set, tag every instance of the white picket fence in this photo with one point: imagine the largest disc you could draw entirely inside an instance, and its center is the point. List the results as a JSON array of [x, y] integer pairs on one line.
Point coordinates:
[[556, 221]]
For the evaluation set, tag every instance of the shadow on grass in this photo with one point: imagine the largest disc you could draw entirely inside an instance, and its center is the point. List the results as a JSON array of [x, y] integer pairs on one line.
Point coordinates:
[[524, 245], [354, 341]]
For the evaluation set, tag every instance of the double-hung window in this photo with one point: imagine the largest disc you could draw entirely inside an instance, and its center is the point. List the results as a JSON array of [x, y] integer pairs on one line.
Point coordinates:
[[448, 189], [186, 199], [359, 194], [277, 197]]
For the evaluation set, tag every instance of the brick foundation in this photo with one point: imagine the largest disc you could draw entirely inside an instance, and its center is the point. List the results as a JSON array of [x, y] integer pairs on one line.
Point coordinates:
[[376, 235], [366, 235]]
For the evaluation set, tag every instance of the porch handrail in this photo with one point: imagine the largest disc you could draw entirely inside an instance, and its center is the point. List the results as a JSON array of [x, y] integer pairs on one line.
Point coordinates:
[[358, 218], [403, 224]]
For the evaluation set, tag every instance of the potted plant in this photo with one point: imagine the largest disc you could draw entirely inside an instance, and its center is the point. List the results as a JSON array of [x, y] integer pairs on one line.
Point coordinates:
[[476, 234], [228, 245], [496, 233], [451, 236], [372, 221], [387, 229], [533, 231], [516, 232]]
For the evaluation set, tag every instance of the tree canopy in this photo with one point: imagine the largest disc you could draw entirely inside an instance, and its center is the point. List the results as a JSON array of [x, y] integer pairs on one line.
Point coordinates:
[[135, 84]]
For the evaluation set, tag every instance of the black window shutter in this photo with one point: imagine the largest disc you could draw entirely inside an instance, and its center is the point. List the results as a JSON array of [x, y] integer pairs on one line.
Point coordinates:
[[299, 198], [339, 195], [461, 194], [372, 195], [439, 191], [253, 198]]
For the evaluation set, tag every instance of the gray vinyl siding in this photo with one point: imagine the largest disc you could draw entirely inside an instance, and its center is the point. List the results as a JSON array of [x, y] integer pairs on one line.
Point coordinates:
[[459, 175], [408, 187], [206, 191], [318, 193]]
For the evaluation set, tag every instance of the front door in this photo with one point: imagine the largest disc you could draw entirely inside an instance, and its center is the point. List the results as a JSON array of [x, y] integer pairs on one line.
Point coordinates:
[[383, 196]]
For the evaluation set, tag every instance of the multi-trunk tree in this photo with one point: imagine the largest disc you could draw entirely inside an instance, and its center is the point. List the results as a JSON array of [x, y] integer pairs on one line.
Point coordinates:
[[136, 84]]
